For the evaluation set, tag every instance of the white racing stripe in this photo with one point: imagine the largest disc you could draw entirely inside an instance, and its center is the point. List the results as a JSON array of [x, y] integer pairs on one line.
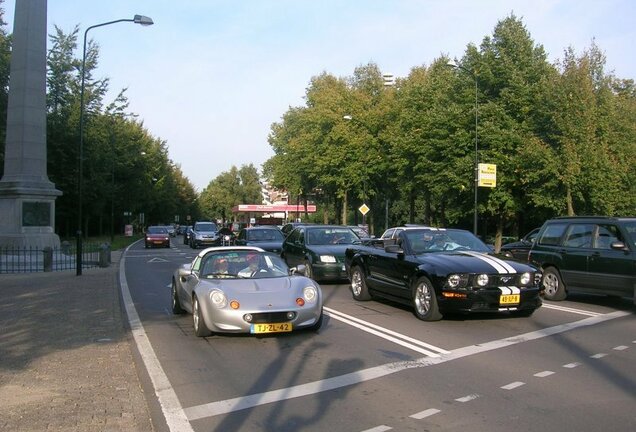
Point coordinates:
[[361, 324]]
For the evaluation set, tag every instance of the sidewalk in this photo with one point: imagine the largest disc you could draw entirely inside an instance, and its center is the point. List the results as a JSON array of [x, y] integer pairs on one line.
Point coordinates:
[[65, 357]]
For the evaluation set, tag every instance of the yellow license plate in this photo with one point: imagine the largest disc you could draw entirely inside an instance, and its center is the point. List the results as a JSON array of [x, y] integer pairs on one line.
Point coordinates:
[[271, 328], [509, 299]]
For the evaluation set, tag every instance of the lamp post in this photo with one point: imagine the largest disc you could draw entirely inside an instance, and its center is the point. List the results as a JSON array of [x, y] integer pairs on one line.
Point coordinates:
[[137, 19], [476, 167]]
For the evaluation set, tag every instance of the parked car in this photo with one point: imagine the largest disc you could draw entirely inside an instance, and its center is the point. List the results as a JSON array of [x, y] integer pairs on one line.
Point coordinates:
[[265, 237], [157, 236], [186, 234], [594, 255], [223, 298], [437, 271], [361, 232], [393, 232], [321, 248], [204, 234], [520, 249], [289, 227]]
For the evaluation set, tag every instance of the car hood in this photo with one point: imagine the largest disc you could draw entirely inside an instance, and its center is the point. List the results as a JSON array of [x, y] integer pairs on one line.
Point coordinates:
[[472, 262], [336, 250], [269, 293]]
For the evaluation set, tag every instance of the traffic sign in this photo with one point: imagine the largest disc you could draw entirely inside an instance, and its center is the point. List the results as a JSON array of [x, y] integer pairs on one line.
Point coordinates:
[[487, 175], [364, 209]]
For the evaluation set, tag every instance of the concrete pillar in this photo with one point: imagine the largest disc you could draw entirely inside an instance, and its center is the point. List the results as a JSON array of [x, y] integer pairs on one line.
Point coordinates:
[[27, 197]]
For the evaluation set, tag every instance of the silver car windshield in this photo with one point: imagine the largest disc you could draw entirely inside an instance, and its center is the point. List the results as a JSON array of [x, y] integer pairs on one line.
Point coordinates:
[[244, 264]]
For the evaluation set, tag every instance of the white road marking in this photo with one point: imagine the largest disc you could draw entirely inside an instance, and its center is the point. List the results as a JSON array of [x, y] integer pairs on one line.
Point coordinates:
[[620, 348], [572, 365], [543, 374], [386, 333], [382, 428], [170, 405], [572, 310], [513, 385], [467, 398], [230, 405], [426, 413], [598, 356]]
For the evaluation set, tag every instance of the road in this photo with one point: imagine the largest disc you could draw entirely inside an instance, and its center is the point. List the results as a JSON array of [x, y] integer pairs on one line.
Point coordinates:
[[374, 367]]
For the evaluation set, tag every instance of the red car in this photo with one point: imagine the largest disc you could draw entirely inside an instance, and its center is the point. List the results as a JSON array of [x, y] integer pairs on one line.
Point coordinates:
[[157, 236]]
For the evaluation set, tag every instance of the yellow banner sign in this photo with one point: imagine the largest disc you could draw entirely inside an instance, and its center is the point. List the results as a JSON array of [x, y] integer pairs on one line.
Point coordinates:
[[487, 175]]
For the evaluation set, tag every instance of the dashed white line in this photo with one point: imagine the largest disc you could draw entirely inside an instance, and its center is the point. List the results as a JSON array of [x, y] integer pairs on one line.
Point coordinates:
[[620, 348], [426, 413], [598, 356], [513, 385], [543, 374], [572, 365], [382, 428], [467, 398]]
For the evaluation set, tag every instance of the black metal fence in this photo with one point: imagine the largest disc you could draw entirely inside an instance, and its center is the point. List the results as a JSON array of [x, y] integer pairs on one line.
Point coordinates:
[[47, 259]]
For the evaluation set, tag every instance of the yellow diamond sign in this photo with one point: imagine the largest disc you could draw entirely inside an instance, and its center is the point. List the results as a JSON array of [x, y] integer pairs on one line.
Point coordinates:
[[364, 209]]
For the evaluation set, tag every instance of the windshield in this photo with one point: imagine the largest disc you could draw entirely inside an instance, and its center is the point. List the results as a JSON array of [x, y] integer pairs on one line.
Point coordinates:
[[206, 226], [425, 241], [157, 230], [257, 235], [330, 235], [243, 264]]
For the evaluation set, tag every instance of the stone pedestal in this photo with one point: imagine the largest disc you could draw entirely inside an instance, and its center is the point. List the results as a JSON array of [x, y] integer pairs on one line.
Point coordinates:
[[27, 197]]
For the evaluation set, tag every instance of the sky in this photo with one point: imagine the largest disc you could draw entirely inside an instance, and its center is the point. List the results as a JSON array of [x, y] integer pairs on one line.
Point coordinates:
[[210, 77]]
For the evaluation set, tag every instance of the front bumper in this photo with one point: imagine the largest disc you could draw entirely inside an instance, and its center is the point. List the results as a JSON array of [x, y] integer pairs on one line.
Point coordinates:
[[329, 271], [487, 300]]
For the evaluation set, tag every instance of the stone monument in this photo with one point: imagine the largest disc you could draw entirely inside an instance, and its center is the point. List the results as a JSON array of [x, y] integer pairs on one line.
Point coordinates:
[[27, 197]]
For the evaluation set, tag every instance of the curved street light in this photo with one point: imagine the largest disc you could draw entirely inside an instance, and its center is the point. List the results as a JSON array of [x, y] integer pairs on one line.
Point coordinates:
[[137, 19], [476, 167]]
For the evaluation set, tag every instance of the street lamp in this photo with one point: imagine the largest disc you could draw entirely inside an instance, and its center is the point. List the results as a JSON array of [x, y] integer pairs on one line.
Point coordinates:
[[476, 168], [137, 19]]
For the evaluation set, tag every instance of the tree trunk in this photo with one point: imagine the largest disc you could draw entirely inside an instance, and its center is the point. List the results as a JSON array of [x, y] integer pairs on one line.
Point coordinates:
[[568, 199], [344, 208]]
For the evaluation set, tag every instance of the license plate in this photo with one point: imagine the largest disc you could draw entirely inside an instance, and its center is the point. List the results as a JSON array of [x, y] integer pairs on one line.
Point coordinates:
[[509, 299], [271, 328]]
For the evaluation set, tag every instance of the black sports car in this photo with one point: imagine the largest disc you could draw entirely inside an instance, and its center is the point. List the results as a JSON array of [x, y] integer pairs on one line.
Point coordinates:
[[442, 270]]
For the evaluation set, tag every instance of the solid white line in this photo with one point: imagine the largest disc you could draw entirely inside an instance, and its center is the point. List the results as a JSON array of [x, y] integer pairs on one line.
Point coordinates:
[[426, 413], [543, 374], [572, 310], [513, 385], [170, 406], [333, 312], [229, 405]]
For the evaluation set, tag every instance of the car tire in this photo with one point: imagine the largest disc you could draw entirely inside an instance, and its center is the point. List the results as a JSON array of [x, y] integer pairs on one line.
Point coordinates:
[[359, 288], [425, 301], [176, 304], [552, 284], [309, 271], [318, 324], [200, 329]]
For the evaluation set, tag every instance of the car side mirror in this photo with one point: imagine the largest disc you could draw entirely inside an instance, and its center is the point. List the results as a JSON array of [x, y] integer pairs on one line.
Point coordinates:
[[618, 245], [393, 248], [299, 269]]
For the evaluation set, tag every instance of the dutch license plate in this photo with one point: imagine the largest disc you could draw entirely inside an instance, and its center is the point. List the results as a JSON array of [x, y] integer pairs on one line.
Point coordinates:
[[271, 328], [509, 299]]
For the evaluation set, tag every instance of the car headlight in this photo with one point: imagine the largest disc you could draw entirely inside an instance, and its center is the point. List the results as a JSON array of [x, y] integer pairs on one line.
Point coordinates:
[[481, 280], [457, 281], [310, 294], [525, 279], [327, 258], [218, 298]]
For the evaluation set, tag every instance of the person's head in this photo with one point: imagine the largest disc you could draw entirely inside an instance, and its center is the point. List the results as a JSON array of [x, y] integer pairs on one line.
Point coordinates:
[[221, 265], [252, 260]]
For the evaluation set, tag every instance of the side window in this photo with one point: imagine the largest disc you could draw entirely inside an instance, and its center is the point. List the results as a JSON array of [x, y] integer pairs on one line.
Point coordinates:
[[579, 236], [606, 235], [196, 264], [552, 234], [388, 233]]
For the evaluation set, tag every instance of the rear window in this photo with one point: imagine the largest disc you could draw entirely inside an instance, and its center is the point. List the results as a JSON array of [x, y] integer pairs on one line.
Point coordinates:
[[552, 234]]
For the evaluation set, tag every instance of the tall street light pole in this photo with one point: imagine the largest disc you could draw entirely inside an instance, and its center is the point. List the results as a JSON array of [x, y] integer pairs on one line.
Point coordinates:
[[476, 167], [137, 19]]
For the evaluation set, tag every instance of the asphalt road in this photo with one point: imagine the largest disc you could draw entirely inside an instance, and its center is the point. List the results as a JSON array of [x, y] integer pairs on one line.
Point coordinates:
[[375, 367]]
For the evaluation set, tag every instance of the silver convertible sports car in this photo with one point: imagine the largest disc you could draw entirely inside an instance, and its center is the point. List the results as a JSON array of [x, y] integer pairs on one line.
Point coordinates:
[[243, 289]]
